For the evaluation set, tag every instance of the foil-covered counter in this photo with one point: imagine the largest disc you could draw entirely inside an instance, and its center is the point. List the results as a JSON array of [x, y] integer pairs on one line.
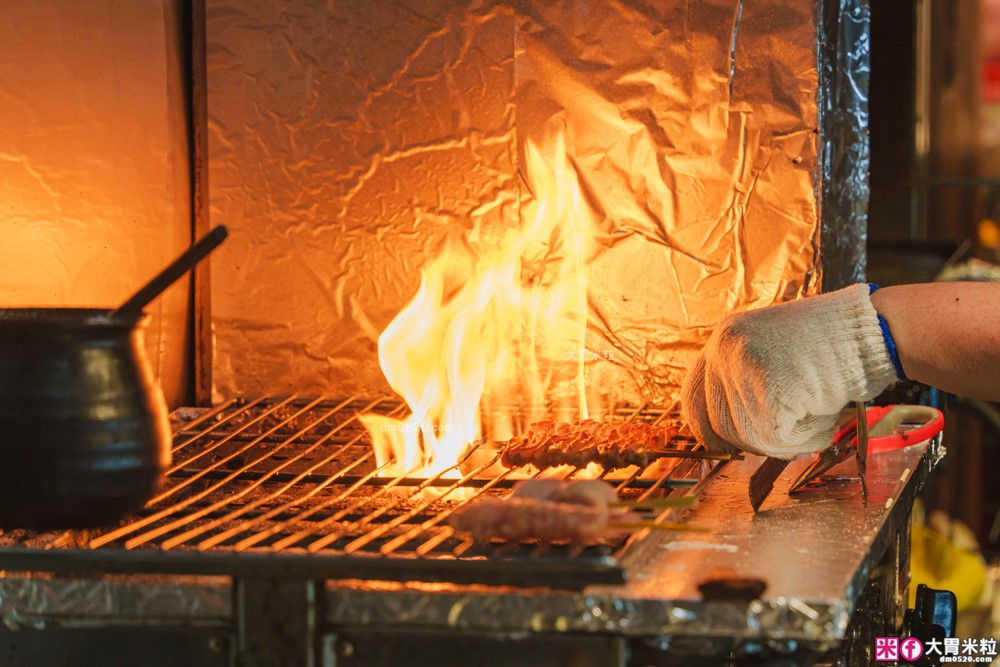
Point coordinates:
[[815, 554], [32, 600]]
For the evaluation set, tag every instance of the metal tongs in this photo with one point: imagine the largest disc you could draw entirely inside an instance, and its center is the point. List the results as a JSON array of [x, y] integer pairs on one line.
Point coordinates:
[[877, 430]]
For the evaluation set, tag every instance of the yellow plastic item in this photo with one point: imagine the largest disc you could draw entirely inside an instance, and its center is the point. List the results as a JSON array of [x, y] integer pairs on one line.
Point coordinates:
[[940, 563], [988, 233]]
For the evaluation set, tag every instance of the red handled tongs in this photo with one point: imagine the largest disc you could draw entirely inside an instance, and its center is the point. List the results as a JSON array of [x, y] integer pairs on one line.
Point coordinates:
[[889, 428]]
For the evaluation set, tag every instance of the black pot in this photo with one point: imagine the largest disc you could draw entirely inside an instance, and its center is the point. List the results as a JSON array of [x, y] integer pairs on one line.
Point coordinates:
[[84, 432]]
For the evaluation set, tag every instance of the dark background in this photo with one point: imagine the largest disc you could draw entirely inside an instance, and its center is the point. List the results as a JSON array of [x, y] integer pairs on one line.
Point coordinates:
[[935, 179]]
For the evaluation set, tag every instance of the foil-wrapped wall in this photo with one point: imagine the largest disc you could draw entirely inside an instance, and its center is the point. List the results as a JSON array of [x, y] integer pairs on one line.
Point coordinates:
[[350, 143], [845, 68], [93, 162]]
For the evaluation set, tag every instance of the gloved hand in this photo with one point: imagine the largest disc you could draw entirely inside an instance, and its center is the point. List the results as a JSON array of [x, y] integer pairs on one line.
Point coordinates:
[[772, 381]]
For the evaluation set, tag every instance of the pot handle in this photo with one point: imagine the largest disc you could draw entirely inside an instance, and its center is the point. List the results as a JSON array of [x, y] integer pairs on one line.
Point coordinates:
[[169, 275]]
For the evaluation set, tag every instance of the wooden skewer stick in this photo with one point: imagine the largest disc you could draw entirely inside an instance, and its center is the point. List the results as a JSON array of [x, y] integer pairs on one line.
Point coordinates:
[[657, 503], [678, 527]]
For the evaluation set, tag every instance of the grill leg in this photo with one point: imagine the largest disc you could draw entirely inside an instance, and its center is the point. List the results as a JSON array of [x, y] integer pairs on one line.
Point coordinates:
[[277, 621]]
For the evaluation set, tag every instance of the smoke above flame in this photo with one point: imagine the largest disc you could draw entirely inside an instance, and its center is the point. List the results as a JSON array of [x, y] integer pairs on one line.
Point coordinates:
[[493, 332]]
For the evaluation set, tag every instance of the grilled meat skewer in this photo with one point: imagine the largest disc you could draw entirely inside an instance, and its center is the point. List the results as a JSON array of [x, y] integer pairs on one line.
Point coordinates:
[[546, 444], [547, 509], [520, 518], [595, 492]]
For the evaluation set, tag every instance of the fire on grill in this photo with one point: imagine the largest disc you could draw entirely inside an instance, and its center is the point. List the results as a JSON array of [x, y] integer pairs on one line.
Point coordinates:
[[504, 329], [297, 477], [585, 189], [493, 327]]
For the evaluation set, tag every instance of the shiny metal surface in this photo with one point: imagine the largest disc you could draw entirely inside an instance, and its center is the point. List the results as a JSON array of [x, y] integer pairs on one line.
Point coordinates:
[[815, 553], [861, 455], [350, 143], [27, 602], [288, 488], [844, 56], [94, 174], [84, 433]]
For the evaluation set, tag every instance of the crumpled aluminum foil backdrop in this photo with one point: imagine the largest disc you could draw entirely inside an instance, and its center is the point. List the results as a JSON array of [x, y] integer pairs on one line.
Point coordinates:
[[94, 195], [845, 57], [34, 601], [349, 142]]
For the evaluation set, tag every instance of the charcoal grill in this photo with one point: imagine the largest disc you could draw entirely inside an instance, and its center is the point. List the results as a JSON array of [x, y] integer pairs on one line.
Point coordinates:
[[276, 542], [291, 485], [251, 556]]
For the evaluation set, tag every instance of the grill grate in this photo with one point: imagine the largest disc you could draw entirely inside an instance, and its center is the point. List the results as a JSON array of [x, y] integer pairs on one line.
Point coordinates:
[[290, 486]]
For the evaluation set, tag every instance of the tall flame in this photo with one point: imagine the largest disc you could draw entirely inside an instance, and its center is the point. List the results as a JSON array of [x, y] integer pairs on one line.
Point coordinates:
[[492, 330]]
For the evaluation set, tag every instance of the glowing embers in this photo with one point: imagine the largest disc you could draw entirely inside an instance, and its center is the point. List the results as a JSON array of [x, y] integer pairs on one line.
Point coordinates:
[[493, 324]]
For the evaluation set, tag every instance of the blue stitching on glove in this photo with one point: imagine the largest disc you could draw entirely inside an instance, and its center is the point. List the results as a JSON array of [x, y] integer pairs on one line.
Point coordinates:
[[889, 342]]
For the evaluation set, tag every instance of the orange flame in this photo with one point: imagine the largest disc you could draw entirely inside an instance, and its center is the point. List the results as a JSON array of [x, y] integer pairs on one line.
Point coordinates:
[[492, 330]]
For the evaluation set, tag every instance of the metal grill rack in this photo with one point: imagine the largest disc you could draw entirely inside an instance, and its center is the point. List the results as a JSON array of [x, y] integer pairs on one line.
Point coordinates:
[[290, 487]]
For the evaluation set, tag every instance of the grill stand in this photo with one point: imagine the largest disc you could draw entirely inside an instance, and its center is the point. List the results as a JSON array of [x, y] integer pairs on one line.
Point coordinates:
[[278, 621], [836, 573]]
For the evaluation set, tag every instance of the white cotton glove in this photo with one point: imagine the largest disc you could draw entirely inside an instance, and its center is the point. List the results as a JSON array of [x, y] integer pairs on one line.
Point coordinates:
[[773, 381]]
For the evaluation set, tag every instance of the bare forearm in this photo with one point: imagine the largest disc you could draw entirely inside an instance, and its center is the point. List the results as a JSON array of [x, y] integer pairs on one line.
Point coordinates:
[[947, 334]]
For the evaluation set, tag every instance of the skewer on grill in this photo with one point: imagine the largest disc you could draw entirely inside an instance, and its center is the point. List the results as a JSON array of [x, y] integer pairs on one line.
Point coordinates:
[[553, 510], [547, 444], [590, 491]]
